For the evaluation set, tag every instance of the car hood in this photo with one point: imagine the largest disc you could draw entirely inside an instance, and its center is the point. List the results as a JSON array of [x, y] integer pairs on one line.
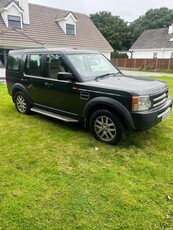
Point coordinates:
[[132, 85]]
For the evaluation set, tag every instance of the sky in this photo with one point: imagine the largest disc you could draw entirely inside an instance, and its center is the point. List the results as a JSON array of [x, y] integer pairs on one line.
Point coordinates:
[[129, 10]]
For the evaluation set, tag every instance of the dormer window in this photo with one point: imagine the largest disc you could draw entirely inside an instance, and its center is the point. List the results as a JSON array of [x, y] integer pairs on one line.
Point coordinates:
[[67, 23], [70, 29], [15, 14], [14, 22]]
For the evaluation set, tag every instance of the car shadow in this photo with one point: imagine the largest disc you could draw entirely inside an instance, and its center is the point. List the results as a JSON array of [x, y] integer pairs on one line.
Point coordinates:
[[132, 138]]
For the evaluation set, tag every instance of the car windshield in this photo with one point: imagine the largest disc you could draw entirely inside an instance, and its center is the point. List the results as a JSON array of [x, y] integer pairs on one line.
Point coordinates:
[[92, 66]]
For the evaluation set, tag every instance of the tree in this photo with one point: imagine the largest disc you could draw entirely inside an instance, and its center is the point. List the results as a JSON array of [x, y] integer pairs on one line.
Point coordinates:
[[113, 28], [120, 35], [153, 19]]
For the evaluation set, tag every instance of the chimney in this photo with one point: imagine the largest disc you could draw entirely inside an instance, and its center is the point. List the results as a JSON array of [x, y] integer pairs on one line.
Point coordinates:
[[170, 30], [24, 5]]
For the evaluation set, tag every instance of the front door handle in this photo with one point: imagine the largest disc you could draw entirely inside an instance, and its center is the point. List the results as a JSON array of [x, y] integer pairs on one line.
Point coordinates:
[[48, 84]]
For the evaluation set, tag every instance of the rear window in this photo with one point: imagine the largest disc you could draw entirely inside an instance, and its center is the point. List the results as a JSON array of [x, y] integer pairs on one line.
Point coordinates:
[[14, 62]]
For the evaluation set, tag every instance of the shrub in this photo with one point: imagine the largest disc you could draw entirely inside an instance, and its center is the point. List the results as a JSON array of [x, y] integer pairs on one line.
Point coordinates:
[[118, 55]]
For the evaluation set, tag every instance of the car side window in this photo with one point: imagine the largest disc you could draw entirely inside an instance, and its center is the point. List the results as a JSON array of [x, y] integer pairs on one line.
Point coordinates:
[[55, 65], [14, 62], [33, 65]]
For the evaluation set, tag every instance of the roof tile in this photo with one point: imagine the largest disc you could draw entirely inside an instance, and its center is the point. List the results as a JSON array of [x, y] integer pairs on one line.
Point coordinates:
[[45, 30], [153, 39]]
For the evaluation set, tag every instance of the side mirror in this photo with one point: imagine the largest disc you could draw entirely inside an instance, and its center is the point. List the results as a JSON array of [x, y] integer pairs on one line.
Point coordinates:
[[65, 76]]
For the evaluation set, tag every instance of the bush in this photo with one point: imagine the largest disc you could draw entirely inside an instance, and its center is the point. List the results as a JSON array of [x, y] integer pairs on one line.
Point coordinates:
[[149, 68], [118, 55]]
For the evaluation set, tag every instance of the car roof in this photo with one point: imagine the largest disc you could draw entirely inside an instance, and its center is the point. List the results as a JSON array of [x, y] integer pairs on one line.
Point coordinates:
[[50, 50]]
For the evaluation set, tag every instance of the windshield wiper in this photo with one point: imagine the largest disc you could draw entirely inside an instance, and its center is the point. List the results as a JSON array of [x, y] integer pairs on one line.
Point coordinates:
[[105, 75]]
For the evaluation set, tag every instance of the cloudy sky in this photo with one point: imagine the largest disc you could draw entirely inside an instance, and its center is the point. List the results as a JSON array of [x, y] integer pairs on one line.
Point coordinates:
[[128, 10]]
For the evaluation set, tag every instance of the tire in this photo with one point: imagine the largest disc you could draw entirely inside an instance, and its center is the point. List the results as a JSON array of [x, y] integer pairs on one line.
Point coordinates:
[[21, 103], [106, 127]]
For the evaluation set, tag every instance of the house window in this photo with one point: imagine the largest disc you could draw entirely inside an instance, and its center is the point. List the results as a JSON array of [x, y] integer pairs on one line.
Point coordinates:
[[70, 29], [14, 22], [154, 55], [172, 55]]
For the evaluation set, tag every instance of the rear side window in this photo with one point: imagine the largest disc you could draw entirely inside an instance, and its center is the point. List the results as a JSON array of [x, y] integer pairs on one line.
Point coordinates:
[[33, 65], [13, 62]]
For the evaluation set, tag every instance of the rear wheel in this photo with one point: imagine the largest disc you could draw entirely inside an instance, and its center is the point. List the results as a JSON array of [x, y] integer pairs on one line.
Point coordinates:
[[21, 102], [106, 127]]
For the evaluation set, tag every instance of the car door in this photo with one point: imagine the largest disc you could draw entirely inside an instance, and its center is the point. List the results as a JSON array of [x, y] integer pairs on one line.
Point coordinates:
[[46, 90], [62, 94], [34, 78]]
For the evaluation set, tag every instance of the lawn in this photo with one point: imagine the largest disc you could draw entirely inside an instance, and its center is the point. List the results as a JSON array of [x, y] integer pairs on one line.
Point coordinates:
[[55, 175]]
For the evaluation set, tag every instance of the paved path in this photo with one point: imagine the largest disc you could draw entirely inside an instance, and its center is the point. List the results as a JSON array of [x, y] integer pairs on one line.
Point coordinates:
[[144, 74]]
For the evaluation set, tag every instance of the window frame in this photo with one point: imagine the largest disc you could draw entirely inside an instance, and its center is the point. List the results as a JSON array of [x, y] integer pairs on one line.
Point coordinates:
[[27, 69], [14, 21], [70, 29], [62, 64], [171, 55], [16, 58], [155, 55]]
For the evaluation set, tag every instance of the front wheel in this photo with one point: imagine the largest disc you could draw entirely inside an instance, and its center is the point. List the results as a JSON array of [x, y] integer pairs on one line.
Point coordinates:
[[106, 127], [21, 102]]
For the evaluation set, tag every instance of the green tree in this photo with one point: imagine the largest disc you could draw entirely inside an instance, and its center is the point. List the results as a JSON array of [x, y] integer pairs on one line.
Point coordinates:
[[153, 19], [120, 35], [113, 28]]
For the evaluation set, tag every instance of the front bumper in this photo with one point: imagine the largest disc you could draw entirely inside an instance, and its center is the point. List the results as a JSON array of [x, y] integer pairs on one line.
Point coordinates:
[[147, 119]]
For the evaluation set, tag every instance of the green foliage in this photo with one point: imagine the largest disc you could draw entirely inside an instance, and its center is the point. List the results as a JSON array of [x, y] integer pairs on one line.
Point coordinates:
[[113, 28], [148, 68], [120, 35], [118, 55], [153, 19], [54, 177]]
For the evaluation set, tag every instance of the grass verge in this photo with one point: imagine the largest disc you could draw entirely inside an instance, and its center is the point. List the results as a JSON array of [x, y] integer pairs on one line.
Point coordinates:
[[53, 177]]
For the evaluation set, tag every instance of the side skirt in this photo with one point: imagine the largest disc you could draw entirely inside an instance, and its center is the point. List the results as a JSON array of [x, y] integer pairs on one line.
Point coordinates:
[[54, 115]]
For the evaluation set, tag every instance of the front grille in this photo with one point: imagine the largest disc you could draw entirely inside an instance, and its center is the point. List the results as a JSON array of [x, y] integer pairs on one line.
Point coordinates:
[[160, 99]]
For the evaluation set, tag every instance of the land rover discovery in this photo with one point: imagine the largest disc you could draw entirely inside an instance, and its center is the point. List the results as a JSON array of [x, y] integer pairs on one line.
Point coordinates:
[[83, 86]]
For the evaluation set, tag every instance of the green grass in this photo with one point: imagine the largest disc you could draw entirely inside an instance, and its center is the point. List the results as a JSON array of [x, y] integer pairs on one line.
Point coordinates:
[[52, 177]]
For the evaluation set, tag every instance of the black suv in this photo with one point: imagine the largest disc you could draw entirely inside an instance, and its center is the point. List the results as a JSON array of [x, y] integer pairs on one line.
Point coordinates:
[[83, 86]]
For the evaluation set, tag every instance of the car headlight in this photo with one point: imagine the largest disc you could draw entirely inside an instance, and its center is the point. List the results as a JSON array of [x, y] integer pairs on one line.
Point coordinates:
[[140, 103]]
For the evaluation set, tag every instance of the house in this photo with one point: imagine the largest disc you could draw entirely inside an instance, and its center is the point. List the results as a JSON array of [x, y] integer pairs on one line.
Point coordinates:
[[25, 25], [155, 43]]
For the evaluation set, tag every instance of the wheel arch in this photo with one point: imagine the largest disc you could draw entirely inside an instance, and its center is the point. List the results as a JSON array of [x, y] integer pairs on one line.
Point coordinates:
[[109, 104], [18, 87]]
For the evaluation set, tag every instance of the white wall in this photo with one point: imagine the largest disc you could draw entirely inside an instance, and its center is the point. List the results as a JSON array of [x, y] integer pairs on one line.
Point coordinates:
[[24, 5], [108, 55], [161, 53], [2, 74], [12, 11]]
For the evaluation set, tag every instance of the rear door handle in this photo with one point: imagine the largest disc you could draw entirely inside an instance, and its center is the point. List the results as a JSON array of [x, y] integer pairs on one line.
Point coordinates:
[[24, 80], [48, 84]]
